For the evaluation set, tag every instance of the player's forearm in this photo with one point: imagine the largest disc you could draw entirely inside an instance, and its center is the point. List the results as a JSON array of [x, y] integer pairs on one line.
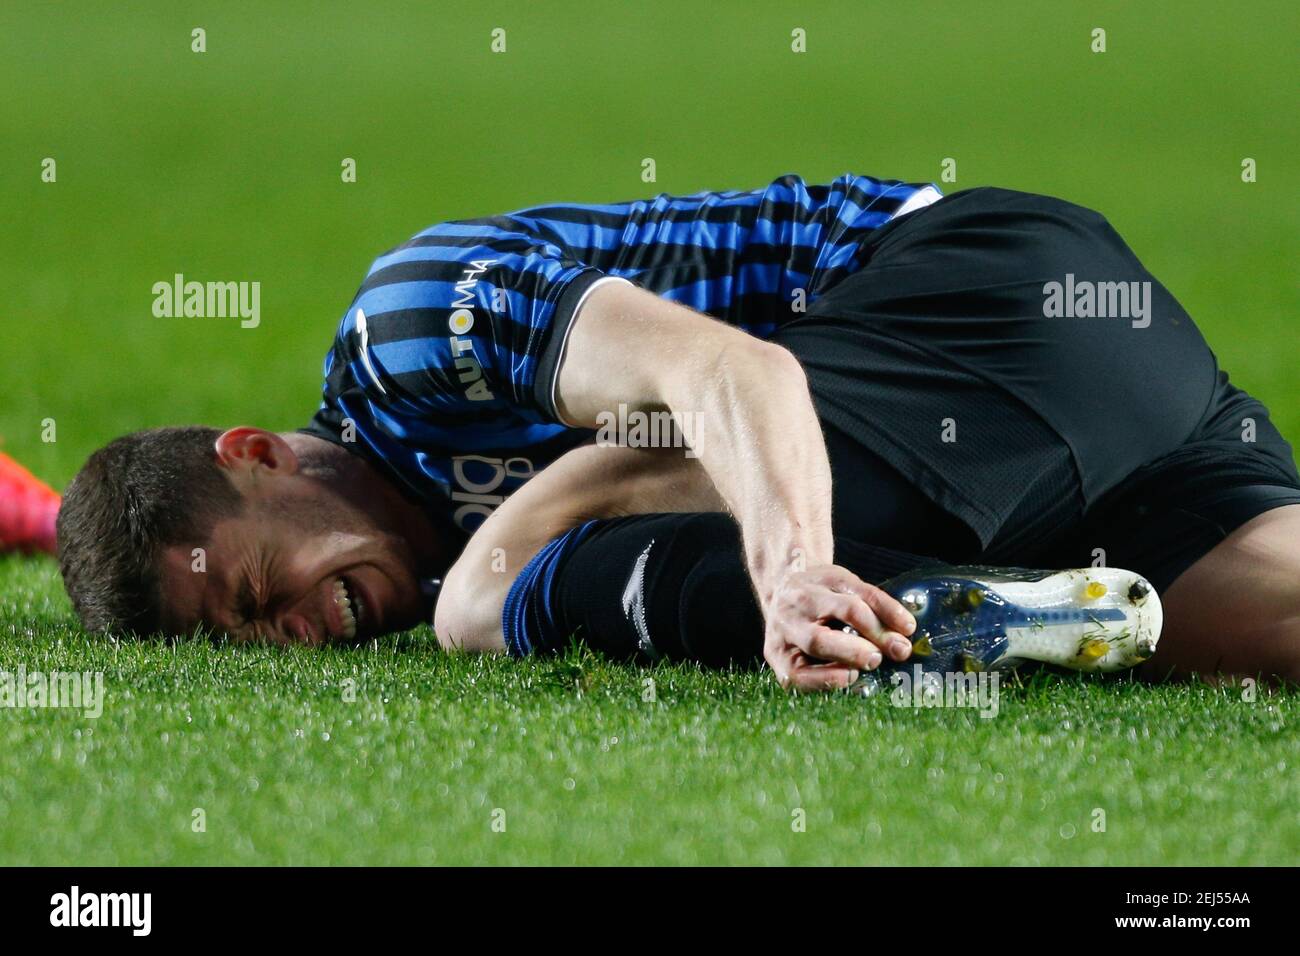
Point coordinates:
[[762, 446], [759, 439], [585, 483]]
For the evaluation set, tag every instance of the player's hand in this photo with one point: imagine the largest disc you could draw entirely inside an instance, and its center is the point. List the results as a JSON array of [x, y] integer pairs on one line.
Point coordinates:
[[804, 642]]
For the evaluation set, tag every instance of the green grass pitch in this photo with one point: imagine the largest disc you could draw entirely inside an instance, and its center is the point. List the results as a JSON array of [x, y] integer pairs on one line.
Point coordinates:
[[225, 165]]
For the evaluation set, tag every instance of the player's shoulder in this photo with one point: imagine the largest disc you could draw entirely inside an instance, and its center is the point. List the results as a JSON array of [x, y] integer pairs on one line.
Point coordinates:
[[446, 251], [793, 188]]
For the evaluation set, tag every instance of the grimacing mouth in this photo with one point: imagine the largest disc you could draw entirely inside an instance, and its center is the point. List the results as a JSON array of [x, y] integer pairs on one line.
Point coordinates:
[[351, 606], [355, 616]]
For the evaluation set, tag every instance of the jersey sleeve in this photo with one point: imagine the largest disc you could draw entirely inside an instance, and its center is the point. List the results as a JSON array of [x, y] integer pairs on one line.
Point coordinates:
[[469, 319]]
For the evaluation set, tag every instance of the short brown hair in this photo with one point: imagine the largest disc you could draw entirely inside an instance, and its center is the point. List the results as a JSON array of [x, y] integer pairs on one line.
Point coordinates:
[[133, 497]]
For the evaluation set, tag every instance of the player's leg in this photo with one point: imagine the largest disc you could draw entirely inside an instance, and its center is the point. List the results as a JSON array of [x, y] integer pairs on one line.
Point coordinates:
[[1237, 609], [675, 586], [646, 588]]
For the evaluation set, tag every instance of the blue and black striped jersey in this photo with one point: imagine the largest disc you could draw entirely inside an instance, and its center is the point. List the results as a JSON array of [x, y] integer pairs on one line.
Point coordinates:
[[443, 369]]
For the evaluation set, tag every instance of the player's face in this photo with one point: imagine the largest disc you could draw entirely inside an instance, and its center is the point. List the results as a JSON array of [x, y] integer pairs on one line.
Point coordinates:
[[306, 570]]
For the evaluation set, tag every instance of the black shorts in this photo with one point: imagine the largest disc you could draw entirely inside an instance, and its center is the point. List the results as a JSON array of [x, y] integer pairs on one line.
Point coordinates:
[[1016, 427]]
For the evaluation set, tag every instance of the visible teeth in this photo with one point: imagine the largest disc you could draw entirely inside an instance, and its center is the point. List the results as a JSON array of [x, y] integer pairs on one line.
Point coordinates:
[[342, 599]]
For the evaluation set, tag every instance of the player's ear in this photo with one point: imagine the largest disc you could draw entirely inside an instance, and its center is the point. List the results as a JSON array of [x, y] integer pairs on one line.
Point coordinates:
[[250, 448]]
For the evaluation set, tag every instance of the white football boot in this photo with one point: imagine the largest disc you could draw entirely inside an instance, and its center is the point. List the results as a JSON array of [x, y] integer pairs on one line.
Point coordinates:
[[982, 619]]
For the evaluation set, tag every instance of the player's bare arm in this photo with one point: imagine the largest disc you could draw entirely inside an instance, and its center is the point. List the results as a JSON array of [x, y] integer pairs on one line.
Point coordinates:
[[590, 482], [762, 447]]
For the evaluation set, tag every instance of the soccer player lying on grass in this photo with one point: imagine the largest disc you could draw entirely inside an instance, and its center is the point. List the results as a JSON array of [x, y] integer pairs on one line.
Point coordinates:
[[867, 372]]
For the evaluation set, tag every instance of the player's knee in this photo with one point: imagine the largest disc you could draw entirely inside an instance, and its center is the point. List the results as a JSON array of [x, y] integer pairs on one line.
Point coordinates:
[[1237, 609]]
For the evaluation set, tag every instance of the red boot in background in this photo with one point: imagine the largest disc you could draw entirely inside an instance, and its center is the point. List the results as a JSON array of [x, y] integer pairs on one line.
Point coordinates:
[[28, 507]]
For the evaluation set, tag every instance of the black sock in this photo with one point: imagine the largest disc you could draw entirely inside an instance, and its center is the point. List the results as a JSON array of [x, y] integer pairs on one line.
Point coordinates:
[[660, 587], [672, 587]]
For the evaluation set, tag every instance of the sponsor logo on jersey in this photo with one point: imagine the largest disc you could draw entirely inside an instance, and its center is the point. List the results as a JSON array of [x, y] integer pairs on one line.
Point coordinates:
[[468, 367], [478, 482]]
